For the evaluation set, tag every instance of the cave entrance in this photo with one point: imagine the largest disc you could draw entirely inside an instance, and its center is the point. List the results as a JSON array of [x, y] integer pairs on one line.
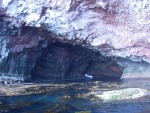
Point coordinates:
[[64, 61], [34, 54]]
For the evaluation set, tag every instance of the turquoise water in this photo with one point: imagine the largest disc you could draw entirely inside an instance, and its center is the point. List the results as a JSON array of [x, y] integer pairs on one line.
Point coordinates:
[[75, 98]]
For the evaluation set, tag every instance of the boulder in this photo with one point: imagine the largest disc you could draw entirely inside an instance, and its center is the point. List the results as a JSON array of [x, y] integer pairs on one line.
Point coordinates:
[[123, 94]]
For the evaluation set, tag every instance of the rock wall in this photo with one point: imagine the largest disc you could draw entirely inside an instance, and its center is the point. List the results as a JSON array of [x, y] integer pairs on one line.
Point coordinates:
[[115, 28], [135, 70], [30, 53], [65, 61]]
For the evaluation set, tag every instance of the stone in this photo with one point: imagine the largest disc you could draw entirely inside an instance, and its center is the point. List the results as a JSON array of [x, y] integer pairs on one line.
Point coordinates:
[[83, 112], [105, 69], [65, 61], [32, 57], [5, 82], [123, 94], [113, 27]]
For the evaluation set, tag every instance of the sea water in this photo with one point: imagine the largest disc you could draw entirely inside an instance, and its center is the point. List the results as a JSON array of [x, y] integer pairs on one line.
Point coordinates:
[[76, 98]]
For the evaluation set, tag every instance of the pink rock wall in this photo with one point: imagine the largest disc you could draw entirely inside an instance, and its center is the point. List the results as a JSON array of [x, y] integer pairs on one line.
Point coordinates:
[[114, 27]]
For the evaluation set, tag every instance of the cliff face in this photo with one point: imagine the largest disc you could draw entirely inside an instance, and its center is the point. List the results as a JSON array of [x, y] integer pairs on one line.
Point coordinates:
[[115, 28], [30, 53]]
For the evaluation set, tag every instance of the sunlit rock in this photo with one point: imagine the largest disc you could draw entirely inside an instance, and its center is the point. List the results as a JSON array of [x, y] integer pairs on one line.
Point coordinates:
[[129, 93], [114, 27]]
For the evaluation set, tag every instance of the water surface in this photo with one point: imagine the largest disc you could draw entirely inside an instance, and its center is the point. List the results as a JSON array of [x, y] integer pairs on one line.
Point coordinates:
[[75, 97]]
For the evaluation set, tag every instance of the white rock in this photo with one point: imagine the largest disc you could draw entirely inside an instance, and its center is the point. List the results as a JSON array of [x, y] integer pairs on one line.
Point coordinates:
[[129, 93]]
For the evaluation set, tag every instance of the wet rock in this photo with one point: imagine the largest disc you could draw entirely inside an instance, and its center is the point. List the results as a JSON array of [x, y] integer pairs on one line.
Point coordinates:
[[30, 88], [83, 112], [65, 61], [105, 69], [9, 80], [5, 82], [128, 93]]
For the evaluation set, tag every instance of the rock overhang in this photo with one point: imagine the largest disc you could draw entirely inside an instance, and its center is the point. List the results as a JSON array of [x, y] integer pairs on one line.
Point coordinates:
[[115, 28]]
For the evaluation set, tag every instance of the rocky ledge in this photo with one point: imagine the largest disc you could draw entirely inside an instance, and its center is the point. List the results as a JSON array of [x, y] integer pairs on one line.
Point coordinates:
[[53, 39]]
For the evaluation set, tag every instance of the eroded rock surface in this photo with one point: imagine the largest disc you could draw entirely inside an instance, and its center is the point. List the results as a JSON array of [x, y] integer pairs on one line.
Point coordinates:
[[65, 61], [35, 53], [114, 27]]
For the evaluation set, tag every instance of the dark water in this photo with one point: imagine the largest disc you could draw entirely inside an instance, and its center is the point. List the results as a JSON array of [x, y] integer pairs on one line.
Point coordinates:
[[75, 98]]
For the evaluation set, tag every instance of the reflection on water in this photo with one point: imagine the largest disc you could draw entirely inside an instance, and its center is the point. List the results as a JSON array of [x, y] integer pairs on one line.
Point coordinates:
[[75, 97]]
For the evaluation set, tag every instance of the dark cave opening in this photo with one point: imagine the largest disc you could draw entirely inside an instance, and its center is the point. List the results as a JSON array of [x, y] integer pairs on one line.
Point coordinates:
[[35, 54], [64, 61]]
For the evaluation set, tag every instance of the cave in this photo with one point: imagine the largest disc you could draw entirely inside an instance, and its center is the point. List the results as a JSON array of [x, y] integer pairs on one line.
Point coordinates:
[[34, 54], [63, 61], [74, 56]]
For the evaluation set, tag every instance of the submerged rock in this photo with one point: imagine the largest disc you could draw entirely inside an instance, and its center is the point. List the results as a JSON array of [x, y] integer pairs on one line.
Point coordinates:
[[128, 93], [83, 112]]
